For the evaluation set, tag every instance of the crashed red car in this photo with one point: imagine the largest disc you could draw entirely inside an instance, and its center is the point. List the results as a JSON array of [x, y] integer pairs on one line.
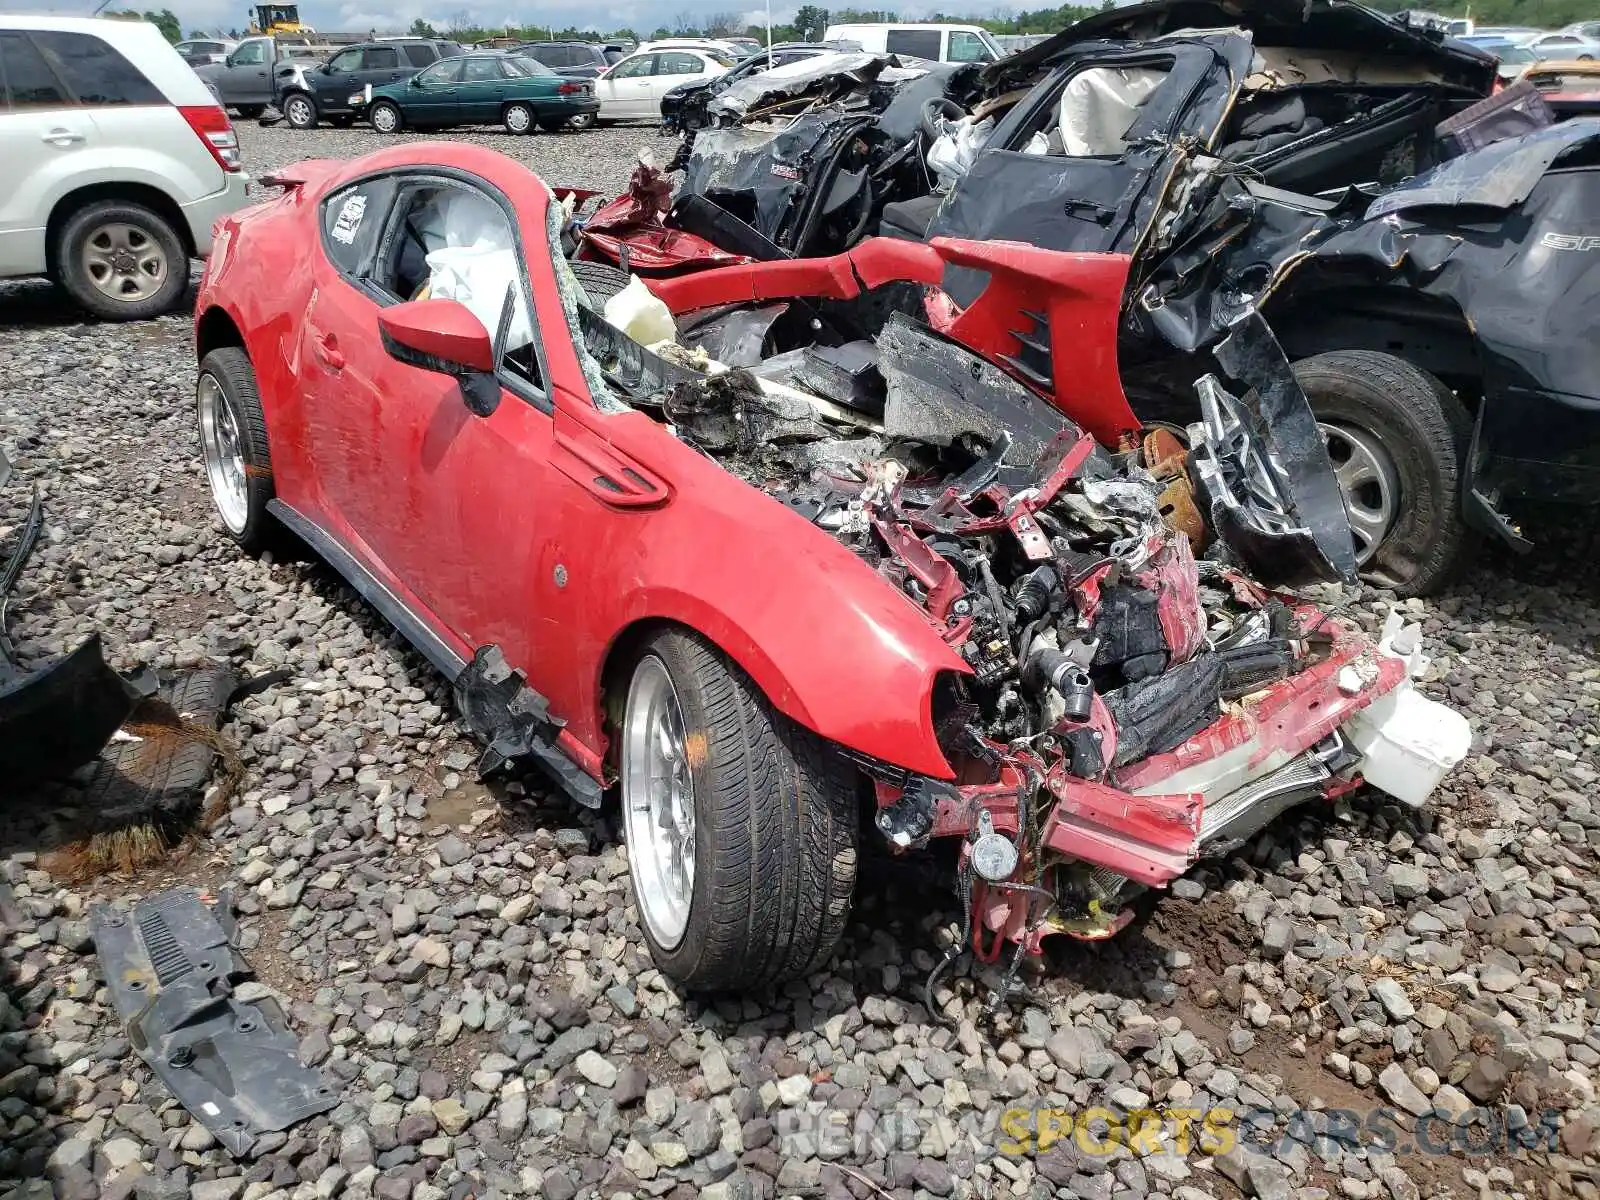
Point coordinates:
[[801, 559]]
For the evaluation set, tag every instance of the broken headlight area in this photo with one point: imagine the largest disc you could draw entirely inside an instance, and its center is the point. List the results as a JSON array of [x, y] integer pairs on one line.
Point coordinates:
[[1129, 704]]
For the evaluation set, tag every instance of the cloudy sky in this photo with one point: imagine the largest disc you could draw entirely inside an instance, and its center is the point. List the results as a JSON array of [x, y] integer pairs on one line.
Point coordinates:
[[361, 15]]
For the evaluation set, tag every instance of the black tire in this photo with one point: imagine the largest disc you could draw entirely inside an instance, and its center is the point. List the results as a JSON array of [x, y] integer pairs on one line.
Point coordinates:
[[386, 106], [1426, 432], [600, 280], [91, 222], [299, 110], [776, 821], [251, 111], [230, 368]]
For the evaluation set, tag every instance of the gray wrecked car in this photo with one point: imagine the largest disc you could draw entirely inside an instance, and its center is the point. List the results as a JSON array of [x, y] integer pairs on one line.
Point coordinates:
[[1346, 175]]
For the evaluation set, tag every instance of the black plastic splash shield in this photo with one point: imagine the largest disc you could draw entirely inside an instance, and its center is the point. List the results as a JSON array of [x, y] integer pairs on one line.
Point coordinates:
[[171, 971]]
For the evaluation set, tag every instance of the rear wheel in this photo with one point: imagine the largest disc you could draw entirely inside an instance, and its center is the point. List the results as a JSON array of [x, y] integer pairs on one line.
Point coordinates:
[[385, 117], [517, 118], [121, 261], [300, 110], [233, 443], [1398, 441], [741, 826]]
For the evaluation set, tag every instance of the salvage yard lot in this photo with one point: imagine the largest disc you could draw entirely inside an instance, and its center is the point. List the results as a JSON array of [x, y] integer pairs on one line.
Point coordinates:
[[468, 962]]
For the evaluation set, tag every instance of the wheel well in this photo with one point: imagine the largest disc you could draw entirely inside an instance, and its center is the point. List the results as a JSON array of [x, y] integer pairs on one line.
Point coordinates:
[[213, 331], [152, 198], [1428, 331]]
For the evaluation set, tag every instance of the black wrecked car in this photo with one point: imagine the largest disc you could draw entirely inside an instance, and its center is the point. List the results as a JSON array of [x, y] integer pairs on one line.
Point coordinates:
[[1424, 252]]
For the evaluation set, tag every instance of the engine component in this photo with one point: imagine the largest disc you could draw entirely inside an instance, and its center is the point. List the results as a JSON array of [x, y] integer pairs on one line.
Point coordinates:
[[907, 824], [1155, 715], [1052, 668], [1128, 628], [994, 855], [1037, 593]]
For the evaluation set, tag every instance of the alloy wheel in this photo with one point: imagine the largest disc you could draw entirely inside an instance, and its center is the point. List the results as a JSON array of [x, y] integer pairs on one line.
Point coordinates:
[[223, 452], [658, 802]]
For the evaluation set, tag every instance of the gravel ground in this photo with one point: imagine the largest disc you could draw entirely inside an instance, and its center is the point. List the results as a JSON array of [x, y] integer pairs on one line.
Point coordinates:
[[467, 963]]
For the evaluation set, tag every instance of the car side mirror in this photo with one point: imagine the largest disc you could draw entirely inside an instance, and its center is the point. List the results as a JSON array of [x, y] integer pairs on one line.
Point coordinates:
[[444, 336], [415, 82]]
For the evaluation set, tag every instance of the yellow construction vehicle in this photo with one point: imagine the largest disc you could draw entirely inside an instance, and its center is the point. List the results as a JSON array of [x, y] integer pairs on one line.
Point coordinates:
[[278, 18]]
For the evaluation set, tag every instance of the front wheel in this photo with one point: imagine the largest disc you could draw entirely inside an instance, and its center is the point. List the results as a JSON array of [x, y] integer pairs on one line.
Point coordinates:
[[517, 118], [121, 261], [233, 443], [741, 826], [300, 111], [385, 117], [1398, 440]]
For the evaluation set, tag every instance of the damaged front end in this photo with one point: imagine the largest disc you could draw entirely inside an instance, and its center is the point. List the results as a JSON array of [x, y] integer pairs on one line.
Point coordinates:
[[1130, 701]]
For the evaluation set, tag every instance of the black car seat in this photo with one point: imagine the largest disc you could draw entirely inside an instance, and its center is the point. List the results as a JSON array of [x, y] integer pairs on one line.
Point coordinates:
[[909, 219]]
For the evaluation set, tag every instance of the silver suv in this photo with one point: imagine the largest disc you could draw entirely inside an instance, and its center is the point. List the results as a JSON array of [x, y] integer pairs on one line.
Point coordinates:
[[117, 162]]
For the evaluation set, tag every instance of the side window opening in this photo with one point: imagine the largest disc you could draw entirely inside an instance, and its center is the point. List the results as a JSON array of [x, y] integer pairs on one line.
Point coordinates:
[[251, 54], [448, 241], [380, 58], [420, 56], [344, 63]]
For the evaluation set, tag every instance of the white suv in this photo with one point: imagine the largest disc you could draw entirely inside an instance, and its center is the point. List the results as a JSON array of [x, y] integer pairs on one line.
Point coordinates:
[[116, 162]]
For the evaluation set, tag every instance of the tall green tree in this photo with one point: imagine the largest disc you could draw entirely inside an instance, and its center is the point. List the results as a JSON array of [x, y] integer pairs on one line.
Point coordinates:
[[810, 22]]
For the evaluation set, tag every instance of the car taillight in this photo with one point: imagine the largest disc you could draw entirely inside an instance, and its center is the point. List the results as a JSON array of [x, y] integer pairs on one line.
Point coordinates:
[[213, 128], [567, 89]]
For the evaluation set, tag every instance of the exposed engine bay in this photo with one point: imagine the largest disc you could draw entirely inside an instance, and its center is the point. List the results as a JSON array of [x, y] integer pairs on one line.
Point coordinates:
[[1134, 699]]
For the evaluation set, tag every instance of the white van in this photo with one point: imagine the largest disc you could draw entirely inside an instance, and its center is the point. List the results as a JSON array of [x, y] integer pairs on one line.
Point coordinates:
[[938, 43]]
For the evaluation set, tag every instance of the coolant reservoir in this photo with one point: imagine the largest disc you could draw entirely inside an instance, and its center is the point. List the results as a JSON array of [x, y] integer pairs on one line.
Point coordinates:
[[641, 314]]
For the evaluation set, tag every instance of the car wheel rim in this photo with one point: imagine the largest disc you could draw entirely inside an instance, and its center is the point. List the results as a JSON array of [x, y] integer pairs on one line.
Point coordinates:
[[219, 443], [384, 120], [658, 803], [582, 122], [1368, 482], [124, 262], [299, 112], [518, 120]]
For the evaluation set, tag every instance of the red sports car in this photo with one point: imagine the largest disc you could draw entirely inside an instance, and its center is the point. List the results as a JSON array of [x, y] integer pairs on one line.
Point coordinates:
[[824, 551]]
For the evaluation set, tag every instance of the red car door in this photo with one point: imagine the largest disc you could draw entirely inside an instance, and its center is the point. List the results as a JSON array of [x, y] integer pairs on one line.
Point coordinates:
[[419, 489]]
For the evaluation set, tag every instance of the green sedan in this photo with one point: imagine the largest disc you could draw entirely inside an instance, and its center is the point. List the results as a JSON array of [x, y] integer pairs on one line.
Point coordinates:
[[481, 89]]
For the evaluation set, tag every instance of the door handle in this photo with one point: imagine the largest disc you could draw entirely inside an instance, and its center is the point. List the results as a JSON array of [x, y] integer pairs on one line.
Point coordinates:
[[326, 347], [61, 137]]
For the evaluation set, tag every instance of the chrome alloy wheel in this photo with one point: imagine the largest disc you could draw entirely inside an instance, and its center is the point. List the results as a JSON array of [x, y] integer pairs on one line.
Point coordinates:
[[1369, 483], [124, 262], [224, 456], [658, 803]]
